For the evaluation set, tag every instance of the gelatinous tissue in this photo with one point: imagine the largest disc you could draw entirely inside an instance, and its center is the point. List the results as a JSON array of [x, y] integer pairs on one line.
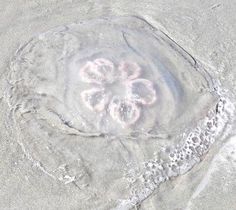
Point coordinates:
[[114, 106]]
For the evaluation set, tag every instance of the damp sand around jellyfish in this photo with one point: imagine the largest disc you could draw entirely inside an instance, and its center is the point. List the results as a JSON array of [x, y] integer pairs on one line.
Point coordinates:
[[106, 97]]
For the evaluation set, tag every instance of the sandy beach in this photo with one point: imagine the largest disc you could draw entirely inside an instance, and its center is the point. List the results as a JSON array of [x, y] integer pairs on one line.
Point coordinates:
[[76, 164]]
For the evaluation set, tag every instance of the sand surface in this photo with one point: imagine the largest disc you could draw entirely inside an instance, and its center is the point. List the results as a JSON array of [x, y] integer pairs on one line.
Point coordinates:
[[205, 29]]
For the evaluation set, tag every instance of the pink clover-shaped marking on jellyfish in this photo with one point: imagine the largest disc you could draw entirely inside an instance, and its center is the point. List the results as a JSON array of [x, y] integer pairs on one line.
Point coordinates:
[[129, 70], [142, 91], [95, 99], [124, 110], [99, 71]]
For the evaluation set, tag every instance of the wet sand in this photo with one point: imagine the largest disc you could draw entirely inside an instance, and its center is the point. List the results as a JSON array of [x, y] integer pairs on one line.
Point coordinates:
[[205, 30]]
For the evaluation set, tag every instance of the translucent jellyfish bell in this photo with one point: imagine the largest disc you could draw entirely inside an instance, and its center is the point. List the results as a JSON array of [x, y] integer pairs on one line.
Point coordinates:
[[91, 98]]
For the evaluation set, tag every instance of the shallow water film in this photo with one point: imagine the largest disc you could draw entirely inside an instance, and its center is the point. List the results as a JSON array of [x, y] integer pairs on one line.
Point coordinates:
[[113, 106]]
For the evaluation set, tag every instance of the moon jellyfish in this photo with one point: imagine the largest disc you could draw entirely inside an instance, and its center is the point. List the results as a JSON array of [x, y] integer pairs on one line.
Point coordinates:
[[114, 106]]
